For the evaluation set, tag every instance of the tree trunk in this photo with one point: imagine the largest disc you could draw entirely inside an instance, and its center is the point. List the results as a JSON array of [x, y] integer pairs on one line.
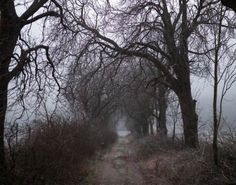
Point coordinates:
[[162, 109], [3, 107], [189, 116], [138, 129], [145, 129], [173, 133], [9, 31], [151, 128], [215, 120]]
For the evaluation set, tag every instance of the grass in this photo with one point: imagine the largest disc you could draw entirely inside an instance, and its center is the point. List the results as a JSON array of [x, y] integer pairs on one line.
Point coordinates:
[[167, 163]]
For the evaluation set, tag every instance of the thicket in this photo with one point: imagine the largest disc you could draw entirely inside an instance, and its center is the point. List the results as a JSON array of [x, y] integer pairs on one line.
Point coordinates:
[[54, 152]]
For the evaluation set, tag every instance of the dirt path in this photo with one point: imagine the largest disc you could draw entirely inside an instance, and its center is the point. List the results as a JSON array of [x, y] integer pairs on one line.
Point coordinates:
[[118, 166]]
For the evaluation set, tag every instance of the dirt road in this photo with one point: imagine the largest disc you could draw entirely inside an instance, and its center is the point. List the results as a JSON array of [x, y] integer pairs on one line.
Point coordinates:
[[118, 166]]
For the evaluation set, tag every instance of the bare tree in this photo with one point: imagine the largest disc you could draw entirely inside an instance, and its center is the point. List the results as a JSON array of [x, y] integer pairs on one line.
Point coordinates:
[[143, 100], [216, 81], [92, 89], [160, 33], [17, 55], [219, 57], [137, 102]]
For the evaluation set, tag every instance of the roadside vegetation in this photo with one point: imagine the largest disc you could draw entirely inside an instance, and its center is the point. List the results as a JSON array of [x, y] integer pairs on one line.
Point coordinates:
[[166, 163], [54, 152]]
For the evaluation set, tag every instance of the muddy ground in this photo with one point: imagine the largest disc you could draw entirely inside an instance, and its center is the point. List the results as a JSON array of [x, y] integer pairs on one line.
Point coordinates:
[[118, 166]]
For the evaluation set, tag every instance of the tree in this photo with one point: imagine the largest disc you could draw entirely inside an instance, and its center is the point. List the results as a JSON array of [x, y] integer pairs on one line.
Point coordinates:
[[17, 55], [229, 3], [137, 101], [174, 113], [91, 91], [216, 60], [162, 97], [159, 33], [216, 81], [221, 67], [160, 100]]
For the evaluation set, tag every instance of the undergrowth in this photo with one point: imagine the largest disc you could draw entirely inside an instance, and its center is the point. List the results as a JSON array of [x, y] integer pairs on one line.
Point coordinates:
[[56, 152], [168, 163]]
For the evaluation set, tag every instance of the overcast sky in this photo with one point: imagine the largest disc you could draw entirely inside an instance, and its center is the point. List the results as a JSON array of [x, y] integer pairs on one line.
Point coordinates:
[[203, 92]]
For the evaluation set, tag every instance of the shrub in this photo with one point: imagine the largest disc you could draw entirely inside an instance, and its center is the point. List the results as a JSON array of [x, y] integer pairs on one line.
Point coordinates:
[[170, 164], [57, 152], [151, 145]]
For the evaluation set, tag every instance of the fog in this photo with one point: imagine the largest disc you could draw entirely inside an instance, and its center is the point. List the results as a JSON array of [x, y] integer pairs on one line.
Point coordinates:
[[203, 92]]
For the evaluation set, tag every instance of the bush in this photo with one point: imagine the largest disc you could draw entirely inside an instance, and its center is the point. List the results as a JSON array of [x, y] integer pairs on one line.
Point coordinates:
[[151, 145], [169, 164], [57, 153]]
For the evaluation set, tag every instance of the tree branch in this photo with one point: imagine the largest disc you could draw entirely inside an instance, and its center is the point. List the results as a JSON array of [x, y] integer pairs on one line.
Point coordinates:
[[24, 60], [130, 53], [50, 13], [35, 6]]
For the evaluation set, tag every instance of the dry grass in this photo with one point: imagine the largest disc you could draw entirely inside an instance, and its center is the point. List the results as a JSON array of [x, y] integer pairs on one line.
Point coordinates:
[[56, 153], [171, 165]]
